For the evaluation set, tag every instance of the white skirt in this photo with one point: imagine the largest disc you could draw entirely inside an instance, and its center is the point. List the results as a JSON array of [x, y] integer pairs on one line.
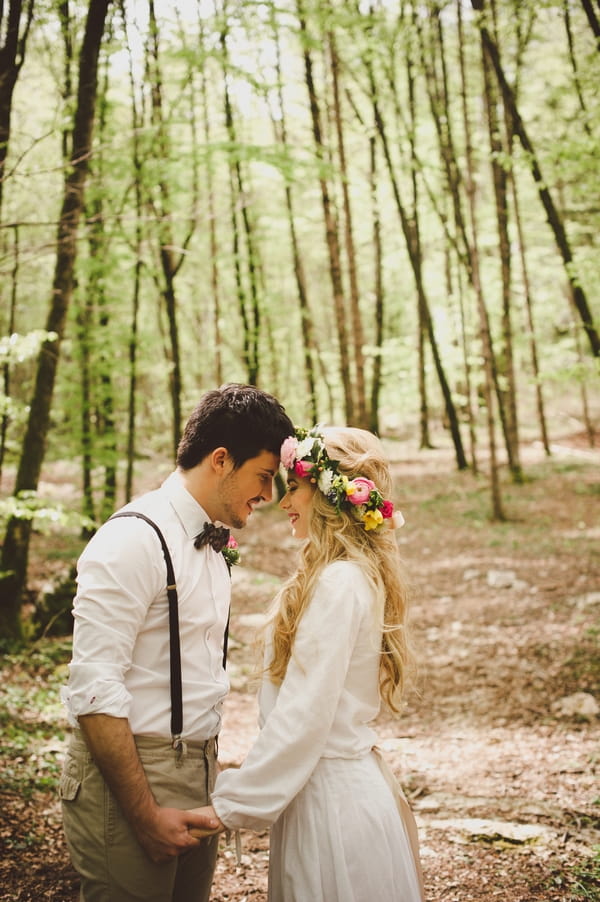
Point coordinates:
[[342, 839]]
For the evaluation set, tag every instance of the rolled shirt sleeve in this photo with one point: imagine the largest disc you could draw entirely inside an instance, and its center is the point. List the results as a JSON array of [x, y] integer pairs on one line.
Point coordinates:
[[114, 591]]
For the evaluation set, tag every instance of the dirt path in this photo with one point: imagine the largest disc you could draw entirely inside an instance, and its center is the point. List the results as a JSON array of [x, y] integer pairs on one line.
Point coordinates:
[[498, 747], [504, 788]]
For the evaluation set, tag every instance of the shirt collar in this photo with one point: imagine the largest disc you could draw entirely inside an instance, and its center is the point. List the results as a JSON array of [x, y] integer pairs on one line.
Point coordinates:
[[192, 515]]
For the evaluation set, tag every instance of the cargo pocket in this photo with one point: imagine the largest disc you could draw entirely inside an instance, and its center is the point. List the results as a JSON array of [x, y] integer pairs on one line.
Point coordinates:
[[68, 788], [70, 780]]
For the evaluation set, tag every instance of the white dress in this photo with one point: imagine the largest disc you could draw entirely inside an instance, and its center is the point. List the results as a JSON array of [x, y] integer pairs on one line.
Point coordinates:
[[311, 775]]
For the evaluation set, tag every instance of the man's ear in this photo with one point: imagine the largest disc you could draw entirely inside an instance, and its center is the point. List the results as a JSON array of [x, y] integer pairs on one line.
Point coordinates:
[[219, 459]]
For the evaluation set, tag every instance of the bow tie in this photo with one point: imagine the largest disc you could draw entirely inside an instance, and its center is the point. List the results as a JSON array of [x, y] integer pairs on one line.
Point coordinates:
[[217, 536]]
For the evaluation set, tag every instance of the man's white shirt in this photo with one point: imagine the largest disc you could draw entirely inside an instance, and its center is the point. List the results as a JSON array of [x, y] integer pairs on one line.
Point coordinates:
[[121, 661]]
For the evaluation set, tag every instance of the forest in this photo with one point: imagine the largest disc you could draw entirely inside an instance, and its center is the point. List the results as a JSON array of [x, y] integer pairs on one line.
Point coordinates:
[[386, 214]]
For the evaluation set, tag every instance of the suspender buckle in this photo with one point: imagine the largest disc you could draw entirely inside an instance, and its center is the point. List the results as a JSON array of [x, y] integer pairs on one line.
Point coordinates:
[[180, 746]]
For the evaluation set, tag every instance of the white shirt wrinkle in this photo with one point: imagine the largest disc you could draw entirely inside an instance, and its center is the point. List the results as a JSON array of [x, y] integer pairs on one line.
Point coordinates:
[[121, 655]]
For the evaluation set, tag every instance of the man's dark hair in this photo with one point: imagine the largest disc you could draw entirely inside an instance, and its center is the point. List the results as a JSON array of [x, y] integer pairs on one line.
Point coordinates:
[[241, 418]]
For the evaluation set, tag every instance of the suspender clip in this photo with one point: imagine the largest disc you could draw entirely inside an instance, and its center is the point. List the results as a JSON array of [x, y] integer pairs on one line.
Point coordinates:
[[180, 746]]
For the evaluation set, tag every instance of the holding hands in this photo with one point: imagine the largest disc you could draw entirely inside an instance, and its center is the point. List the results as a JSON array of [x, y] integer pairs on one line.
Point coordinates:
[[204, 822]]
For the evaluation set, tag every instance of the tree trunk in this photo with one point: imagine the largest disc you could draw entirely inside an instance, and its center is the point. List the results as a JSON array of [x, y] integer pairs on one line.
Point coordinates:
[[507, 399], [212, 228], [13, 565], [554, 219], [335, 270], [413, 251], [378, 289], [250, 310], [469, 254], [425, 438], [576, 78], [593, 20], [84, 336], [306, 324], [10, 328], [12, 57], [359, 397], [136, 130], [472, 251], [170, 261]]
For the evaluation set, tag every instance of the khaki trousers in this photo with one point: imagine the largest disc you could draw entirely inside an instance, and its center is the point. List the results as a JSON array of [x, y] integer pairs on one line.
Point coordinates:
[[112, 865]]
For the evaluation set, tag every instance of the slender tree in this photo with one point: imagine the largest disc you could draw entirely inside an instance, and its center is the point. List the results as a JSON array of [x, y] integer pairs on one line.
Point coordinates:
[[309, 348], [14, 28], [243, 233], [378, 287], [552, 214], [331, 232], [361, 416], [171, 254], [472, 252], [506, 385], [211, 212], [13, 563], [414, 254], [10, 328], [593, 19], [137, 121]]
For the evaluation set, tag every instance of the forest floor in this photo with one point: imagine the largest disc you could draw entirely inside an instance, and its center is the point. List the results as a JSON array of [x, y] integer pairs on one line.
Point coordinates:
[[498, 749]]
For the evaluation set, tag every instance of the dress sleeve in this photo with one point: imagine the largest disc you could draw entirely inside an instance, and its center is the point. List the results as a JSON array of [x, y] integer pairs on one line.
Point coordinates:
[[118, 576], [295, 732]]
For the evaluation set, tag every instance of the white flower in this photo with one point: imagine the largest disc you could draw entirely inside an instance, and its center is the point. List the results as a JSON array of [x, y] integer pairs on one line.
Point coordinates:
[[325, 481], [305, 447]]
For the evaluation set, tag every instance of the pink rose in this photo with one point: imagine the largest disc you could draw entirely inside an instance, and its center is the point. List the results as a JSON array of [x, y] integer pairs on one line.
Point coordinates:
[[359, 490], [302, 468], [288, 452], [387, 510], [231, 542]]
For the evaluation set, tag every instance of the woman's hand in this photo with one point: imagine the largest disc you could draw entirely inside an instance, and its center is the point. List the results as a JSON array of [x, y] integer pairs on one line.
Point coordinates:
[[198, 819]]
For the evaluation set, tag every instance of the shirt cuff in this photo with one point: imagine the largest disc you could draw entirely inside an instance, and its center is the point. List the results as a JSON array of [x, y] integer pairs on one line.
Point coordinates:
[[100, 697]]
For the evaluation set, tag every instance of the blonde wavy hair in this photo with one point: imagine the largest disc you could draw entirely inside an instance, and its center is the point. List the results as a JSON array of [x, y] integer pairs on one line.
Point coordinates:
[[338, 536]]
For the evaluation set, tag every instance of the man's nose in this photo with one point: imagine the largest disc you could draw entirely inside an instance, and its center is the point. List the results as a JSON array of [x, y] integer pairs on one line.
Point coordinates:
[[268, 492]]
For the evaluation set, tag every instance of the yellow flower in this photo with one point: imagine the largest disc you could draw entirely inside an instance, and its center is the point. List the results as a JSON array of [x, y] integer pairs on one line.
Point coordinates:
[[347, 485], [372, 519]]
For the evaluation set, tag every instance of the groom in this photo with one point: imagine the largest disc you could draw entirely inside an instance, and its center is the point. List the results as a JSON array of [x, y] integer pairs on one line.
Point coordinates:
[[128, 776]]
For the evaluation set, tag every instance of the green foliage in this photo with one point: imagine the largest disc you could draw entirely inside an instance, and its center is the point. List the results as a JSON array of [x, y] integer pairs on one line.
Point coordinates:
[[17, 348], [581, 882], [47, 516], [32, 721]]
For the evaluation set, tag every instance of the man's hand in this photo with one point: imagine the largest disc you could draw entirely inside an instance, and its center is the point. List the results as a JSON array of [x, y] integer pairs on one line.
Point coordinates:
[[162, 832], [171, 831], [204, 822]]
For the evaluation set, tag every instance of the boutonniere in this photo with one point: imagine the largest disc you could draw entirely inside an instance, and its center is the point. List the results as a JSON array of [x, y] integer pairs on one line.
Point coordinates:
[[231, 552]]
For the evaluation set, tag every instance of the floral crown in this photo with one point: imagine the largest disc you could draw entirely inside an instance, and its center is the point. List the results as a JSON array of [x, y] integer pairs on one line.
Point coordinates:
[[306, 455]]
